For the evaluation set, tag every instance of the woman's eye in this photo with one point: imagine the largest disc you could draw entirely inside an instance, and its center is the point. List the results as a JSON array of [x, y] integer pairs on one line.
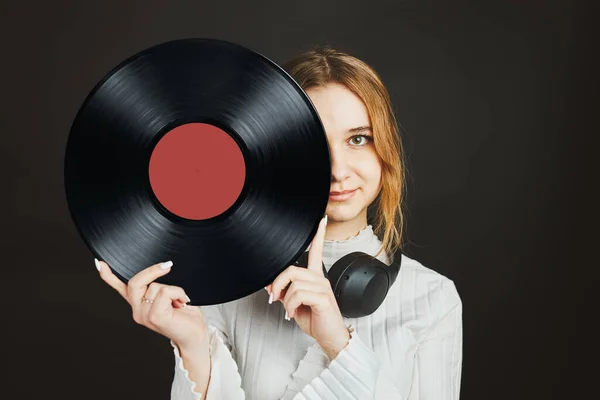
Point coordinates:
[[360, 140]]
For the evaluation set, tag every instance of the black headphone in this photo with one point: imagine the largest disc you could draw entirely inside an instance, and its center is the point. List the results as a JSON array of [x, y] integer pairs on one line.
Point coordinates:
[[359, 281]]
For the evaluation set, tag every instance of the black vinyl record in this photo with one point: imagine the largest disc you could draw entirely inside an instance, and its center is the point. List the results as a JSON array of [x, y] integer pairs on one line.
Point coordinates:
[[202, 152]]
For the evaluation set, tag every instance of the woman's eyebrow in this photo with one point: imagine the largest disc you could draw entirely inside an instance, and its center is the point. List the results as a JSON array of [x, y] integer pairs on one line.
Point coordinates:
[[360, 129]]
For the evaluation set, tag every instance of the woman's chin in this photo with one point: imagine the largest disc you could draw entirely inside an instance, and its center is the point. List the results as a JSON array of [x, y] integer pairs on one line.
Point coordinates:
[[338, 213]]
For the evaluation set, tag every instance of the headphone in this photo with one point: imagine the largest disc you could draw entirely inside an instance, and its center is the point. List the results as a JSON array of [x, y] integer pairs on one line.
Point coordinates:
[[360, 282]]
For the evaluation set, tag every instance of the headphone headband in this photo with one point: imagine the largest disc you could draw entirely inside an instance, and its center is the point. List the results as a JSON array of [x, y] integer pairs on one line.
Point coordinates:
[[394, 267]]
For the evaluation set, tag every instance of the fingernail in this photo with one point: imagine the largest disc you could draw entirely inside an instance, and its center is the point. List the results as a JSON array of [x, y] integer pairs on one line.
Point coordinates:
[[325, 219], [97, 264], [271, 298], [166, 265], [287, 316], [188, 298]]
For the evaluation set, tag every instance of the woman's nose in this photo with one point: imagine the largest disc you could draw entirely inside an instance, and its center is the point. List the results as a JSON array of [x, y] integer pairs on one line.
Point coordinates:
[[339, 166]]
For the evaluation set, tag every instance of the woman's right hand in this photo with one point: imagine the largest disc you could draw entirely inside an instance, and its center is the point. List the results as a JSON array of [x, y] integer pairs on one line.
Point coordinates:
[[167, 314]]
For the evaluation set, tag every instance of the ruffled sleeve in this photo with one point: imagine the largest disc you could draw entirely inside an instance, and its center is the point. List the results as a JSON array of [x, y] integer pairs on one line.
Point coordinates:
[[355, 374], [225, 380]]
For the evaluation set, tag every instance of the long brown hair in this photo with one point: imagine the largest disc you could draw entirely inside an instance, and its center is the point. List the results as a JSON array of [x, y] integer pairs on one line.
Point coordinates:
[[323, 65]]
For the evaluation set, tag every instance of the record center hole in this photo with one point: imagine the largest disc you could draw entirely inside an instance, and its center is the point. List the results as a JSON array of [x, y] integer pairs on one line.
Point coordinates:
[[197, 171]]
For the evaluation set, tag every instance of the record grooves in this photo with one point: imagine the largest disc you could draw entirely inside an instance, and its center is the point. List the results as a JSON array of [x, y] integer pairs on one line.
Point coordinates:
[[202, 152]]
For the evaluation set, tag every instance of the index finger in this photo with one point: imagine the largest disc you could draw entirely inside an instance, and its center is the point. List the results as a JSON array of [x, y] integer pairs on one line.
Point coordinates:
[[315, 253]]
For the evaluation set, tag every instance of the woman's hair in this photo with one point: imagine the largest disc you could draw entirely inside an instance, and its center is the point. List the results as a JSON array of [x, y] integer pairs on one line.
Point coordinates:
[[321, 66]]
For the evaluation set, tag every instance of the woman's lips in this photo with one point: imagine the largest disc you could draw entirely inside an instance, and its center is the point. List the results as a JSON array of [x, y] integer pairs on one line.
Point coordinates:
[[341, 196]]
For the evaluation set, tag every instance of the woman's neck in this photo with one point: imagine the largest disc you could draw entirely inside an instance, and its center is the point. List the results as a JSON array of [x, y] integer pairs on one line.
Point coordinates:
[[345, 229]]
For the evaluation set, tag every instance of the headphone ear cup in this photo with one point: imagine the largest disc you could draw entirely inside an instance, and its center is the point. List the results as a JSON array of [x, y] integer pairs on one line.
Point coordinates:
[[360, 284]]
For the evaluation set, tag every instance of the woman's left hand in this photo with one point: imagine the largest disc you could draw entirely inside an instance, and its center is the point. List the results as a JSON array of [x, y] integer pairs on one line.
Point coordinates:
[[310, 301]]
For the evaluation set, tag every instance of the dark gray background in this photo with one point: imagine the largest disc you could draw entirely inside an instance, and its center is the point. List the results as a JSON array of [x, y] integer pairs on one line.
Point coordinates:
[[496, 100]]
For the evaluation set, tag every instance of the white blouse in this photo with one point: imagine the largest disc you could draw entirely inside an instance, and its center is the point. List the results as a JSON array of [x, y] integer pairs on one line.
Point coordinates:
[[409, 348]]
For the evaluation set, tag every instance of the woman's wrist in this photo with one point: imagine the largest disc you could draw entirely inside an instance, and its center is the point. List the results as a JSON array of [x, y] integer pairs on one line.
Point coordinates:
[[332, 349], [194, 343], [196, 359], [197, 346], [195, 356]]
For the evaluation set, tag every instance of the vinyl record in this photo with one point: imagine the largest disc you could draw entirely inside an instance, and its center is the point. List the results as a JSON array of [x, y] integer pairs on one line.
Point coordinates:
[[202, 152]]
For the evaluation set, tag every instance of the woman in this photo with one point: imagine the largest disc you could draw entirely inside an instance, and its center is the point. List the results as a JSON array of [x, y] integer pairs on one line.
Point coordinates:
[[294, 343]]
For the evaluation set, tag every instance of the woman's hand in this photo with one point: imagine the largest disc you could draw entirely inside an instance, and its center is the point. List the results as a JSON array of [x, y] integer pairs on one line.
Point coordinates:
[[165, 312], [309, 299]]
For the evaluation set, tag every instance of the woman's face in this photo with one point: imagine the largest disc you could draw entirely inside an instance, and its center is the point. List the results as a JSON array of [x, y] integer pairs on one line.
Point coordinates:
[[354, 164]]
